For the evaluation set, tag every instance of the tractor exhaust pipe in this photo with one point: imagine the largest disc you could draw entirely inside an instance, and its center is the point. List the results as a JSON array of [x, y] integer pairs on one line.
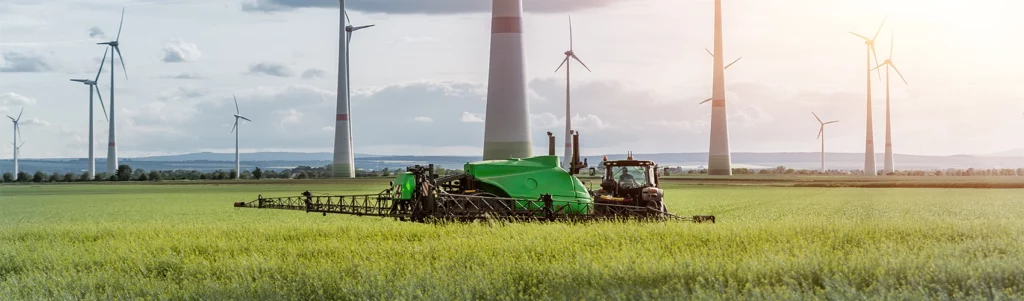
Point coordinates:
[[551, 144], [575, 165]]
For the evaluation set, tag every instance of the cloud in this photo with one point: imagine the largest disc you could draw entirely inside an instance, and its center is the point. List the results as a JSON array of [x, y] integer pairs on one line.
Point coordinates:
[[34, 121], [15, 99], [472, 118], [314, 73], [186, 76], [96, 32], [21, 62], [272, 69], [178, 51], [412, 40], [424, 6], [423, 119]]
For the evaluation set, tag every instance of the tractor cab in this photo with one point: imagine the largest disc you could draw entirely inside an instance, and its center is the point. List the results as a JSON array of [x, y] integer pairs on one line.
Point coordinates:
[[630, 182]]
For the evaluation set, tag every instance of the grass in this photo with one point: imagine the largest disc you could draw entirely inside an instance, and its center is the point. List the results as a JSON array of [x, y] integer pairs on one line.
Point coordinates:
[[186, 242]]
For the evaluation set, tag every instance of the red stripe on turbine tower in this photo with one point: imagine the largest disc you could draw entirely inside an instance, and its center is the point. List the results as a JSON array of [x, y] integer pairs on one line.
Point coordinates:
[[111, 144], [506, 25], [342, 117]]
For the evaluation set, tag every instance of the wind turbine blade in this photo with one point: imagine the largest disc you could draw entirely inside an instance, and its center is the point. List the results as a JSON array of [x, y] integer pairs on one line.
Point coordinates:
[[119, 26], [892, 41], [12, 118], [347, 20], [562, 64], [102, 62], [816, 117], [102, 106], [879, 66], [236, 104], [581, 62], [862, 37], [19, 114], [362, 27], [709, 52], [880, 28], [246, 119], [876, 60], [820, 131], [705, 101], [570, 33], [123, 68], [18, 128], [831, 122], [235, 126], [733, 62], [898, 73], [348, 37]]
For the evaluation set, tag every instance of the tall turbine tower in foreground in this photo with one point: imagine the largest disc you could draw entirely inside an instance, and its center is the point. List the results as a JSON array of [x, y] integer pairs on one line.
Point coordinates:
[[821, 136], [507, 124], [93, 90], [344, 156], [869, 147], [719, 158], [569, 55], [889, 166], [238, 165], [112, 138]]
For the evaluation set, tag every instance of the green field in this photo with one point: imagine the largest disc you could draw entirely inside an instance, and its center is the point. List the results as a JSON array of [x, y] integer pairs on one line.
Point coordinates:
[[176, 241]]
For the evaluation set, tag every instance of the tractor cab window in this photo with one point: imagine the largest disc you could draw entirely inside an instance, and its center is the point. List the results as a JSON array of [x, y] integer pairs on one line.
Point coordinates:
[[630, 176]]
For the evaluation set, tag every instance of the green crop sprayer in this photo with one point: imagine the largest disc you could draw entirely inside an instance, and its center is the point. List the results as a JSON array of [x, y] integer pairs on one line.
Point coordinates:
[[526, 189]]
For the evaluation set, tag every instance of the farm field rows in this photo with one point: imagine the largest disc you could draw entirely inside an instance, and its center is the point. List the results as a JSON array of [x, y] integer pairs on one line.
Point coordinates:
[[185, 241]]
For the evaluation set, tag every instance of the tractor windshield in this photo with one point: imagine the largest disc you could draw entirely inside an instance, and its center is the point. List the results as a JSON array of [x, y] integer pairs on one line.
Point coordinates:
[[630, 176]]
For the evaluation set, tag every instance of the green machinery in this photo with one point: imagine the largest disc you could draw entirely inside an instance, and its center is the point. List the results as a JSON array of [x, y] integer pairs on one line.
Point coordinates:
[[527, 189]]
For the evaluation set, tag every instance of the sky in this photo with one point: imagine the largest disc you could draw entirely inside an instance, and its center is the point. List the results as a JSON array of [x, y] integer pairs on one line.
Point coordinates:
[[419, 76]]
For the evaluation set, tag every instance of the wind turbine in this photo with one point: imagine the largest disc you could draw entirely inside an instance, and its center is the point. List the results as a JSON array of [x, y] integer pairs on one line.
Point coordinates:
[[869, 147], [725, 68], [566, 161], [17, 130], [344, 161], [235, 129], [92, 88], [889, 168], [112, 139], [821, 136]]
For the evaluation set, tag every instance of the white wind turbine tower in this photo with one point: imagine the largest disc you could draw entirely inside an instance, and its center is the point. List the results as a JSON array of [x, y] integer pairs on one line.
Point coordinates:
[[568, 116], [889, 165], [821, 136], [92, 88], [869, 147], [17, 130], [725, 68], [112, 139], [344, 161], [235, 129]]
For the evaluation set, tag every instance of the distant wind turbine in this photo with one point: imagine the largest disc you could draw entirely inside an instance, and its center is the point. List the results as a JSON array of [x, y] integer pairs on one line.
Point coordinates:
[[821, 136], [725, 68], [235, 129], [567, 159], [112, 138], [17, 130], [92, 137], [889, 165], [869, 147]]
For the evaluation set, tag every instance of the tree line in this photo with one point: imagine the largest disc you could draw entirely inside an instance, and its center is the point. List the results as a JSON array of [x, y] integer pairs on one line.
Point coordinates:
[[126, 173]]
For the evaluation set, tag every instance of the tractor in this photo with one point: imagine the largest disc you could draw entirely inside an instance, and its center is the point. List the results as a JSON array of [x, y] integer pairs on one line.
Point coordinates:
[[630, 182]]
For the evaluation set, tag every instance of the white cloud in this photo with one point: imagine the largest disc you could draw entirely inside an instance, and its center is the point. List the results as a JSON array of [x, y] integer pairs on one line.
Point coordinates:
[[15, 99], [472, 118], [34, 121], [178, 51], [423, 119]]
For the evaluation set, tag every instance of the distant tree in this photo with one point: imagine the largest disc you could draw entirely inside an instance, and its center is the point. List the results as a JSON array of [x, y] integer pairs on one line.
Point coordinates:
[[202, 176], [8, 177], [386, 172], [232, 174], [257, 173], [39, 177], [302, 175], [142, 178], [69, 177], [154, 176], [101, 177], [112, 178], [220, 175], [84, 177], [124, 173], [55, 177]]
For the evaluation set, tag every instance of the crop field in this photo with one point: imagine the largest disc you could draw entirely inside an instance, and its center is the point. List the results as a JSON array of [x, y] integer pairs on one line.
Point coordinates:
[[186, 242]]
